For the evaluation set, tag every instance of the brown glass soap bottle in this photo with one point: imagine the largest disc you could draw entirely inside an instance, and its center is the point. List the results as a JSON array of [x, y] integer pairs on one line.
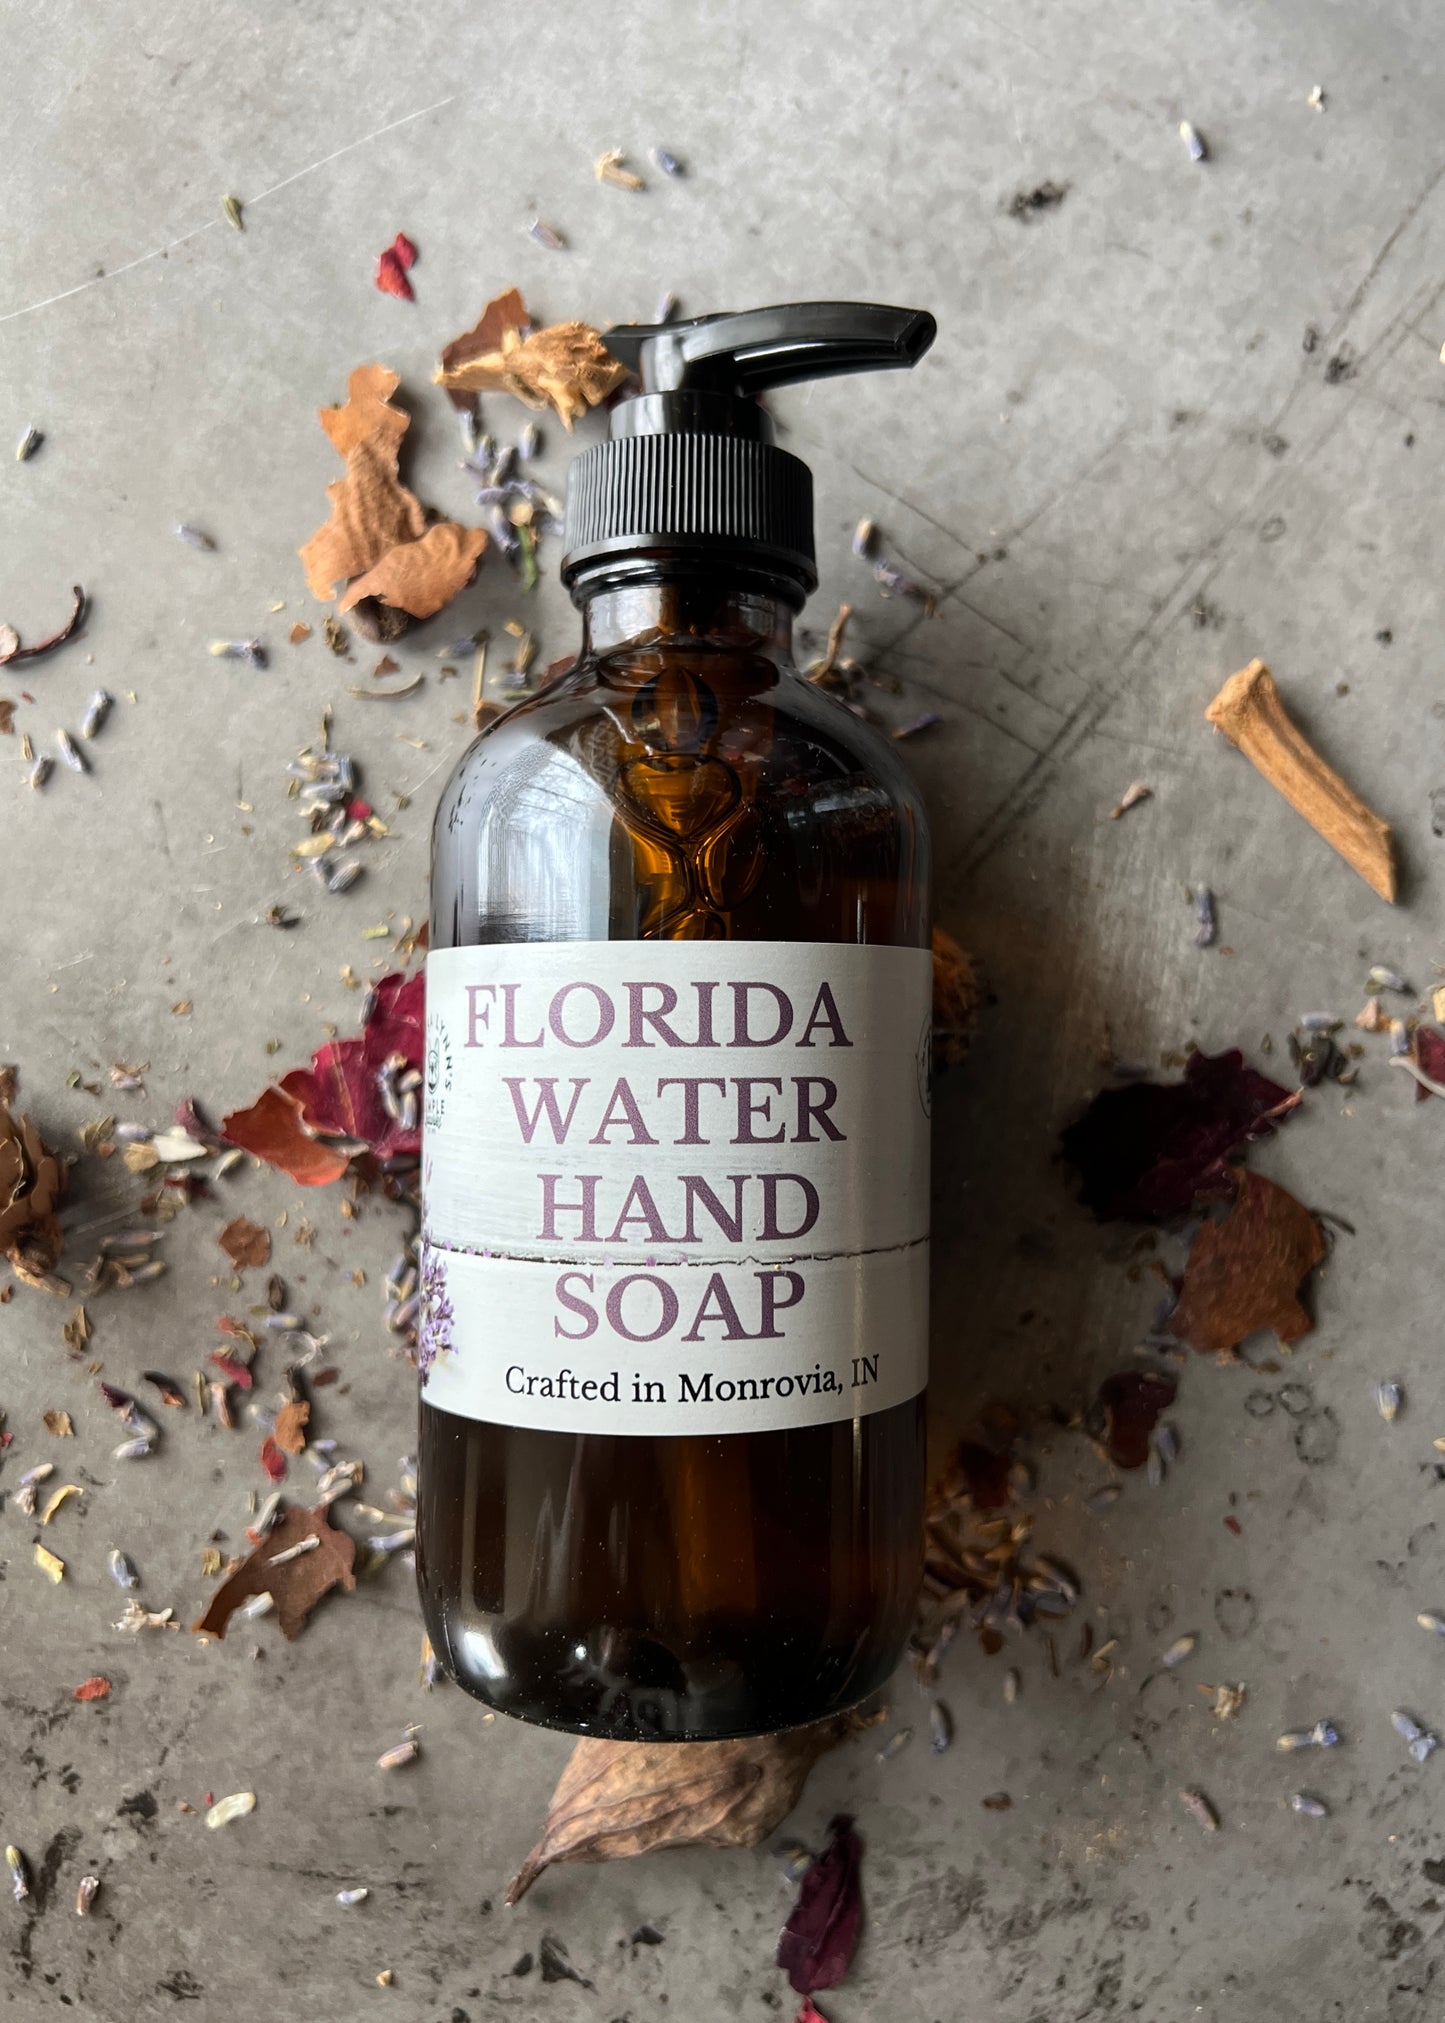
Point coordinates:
[[675, 1159]]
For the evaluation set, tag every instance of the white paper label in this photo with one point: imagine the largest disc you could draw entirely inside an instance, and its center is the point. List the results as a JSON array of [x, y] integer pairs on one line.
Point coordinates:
[[675, 1187]]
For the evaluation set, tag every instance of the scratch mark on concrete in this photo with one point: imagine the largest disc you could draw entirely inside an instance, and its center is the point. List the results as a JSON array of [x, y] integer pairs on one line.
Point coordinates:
[[212, 224]]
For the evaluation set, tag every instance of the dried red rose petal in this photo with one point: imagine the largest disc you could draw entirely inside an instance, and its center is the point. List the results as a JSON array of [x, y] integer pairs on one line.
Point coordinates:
[[1147, 1150], [271, 1129], [1430, 1059], [273, 1460], [820, 1937], [340, 1092], [392, 266], [1132, 1404]]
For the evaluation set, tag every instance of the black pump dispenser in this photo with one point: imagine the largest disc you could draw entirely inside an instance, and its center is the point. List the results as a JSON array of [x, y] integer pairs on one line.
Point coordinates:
[[691, 470]]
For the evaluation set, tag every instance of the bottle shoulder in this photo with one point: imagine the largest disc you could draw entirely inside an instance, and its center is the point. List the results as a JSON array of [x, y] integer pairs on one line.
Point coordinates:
[[784, 733]]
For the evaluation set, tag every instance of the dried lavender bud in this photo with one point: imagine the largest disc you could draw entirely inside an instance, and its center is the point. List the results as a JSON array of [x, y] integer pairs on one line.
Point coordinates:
[[70, 752], [1197, 151], [121, 1571], [86, 1895], [97, 710], [1312, 1808], [1388, 1399], [19, 1873], [1381, 978], [1204, 913], [232, 209], [1198, 1807], [664, 160], [1178, 1651], [666, 307], [249, 650], [28, 444], [529, 442], [864, 535], [346, 1898], [899, 1740], [1429, 1620], [940, 1728], [40, 772], [397, 1758], [195, 538], [546, 235]]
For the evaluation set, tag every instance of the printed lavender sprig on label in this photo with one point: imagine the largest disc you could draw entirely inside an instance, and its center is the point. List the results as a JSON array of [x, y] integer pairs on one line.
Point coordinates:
[[434, 1331]]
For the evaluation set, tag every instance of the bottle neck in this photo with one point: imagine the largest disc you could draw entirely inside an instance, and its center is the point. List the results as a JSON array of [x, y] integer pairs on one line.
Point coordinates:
[[705, 610]]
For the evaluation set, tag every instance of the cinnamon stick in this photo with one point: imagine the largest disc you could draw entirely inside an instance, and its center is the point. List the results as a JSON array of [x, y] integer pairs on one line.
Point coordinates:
[[1252, 715]]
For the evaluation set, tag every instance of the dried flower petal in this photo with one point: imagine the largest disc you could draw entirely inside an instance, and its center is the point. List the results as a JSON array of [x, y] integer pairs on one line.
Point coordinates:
[[98, 1688], [50, 1566], [820, 1937], [392, 267], [11, 649], [1245, 1272], [1147, 1150], [1132, 1402]]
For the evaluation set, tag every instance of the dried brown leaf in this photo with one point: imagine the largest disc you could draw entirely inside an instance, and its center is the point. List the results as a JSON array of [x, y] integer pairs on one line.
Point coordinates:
[[566, 367], [421, 576], [245, 1242], [956, 999], [616, 1799], [7, 716], [371, 512], [1245, 1272], [59, 1424], [297, 1584]]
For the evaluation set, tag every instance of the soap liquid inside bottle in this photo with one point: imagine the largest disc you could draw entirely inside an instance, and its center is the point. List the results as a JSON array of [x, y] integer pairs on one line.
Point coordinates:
[[681, 780]]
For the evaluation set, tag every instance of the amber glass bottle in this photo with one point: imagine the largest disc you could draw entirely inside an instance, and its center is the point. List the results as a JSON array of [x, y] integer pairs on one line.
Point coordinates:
[[674, 1276]]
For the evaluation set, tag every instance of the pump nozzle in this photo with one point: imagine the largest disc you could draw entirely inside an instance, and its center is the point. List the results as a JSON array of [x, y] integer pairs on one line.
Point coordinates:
[[747, 353], [691, 469]]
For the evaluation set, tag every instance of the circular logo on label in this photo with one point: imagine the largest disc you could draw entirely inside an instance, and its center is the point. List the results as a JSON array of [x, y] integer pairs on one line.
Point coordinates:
[[924, 1062], [438, 1069]]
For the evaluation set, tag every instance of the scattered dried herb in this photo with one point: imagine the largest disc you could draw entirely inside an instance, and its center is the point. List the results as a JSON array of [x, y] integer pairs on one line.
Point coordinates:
[[1147, 1150], [59, 1425], [296, 1585], [821, 1935], [1245, 1271], [33, 1186], [616, 1799], [1131, 1404], [566, 367], [245, 1242]]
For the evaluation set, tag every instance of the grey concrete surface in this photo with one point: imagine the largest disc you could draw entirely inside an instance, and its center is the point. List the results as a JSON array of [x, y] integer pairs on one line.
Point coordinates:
[[1128, 474]]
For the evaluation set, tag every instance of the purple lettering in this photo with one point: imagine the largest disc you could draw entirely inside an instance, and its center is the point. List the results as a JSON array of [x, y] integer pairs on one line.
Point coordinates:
[[586, 1313], [751, 1110], [690, 1084], [814, 1109], [552, 1207], [772, 1230], [697, 1191], [668, 1303], [771, 1283], [645, 1212], [725, 1311], [546, 1100], [825, 1013], [622, 1109], [478, 1015], [509, 992], [638, 1016], [783, 1004], [606, 1016]]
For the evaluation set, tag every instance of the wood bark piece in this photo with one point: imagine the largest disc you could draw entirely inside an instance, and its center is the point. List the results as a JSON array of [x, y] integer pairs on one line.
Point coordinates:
[[1251, 713]]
